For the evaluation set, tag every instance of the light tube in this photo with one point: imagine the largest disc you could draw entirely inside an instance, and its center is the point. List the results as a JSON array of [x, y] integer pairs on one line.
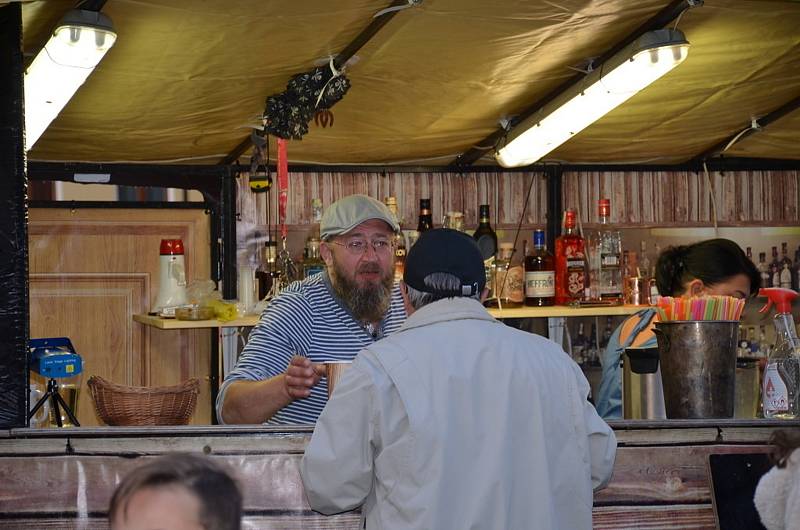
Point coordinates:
[[76, 46], [611, 84]]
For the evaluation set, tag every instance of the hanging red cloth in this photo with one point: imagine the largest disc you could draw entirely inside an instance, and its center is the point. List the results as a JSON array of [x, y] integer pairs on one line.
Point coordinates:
[[283, 185]]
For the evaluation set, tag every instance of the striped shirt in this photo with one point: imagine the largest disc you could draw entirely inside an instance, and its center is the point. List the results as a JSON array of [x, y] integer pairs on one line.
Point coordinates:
[[307, 319]]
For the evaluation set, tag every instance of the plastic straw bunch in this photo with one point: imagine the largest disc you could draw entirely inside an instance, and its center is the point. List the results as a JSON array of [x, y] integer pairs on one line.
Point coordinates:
[[700, 308]]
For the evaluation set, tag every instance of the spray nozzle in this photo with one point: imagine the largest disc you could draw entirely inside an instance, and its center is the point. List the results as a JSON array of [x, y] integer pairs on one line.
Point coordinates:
[[781, 297]]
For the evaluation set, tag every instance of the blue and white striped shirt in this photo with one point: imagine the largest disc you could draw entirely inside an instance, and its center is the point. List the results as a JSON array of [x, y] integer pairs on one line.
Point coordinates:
[[307, 319]]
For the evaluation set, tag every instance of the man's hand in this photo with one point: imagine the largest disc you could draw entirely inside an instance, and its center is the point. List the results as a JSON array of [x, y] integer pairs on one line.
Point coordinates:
[[301, 375]]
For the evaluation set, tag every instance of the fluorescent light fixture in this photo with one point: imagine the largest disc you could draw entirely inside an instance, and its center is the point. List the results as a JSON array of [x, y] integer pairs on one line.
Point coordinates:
[[652, 55], [76, 46]]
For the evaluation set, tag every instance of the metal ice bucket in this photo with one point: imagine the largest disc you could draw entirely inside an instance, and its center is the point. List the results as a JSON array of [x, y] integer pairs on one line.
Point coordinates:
[[698, 367]]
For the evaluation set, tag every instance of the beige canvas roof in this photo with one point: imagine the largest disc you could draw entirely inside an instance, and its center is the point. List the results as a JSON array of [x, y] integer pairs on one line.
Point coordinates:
[[187, 79]]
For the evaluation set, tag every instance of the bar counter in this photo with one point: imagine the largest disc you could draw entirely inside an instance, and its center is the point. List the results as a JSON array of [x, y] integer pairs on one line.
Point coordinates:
[[63, 478]]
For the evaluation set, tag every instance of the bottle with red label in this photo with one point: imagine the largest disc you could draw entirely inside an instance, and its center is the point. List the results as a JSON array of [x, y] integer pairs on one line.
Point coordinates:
[[570, 263]]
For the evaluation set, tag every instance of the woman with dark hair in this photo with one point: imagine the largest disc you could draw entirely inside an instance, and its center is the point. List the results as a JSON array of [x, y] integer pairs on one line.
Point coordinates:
[[777, 496], [712, 267]]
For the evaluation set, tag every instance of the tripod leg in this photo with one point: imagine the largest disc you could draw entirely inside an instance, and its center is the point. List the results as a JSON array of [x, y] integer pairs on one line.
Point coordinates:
[[71, 416], [38, 405], [54, 397]]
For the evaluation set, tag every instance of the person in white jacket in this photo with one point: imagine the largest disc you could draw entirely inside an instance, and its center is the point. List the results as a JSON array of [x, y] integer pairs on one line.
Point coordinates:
[[457, 421], [777, 497]]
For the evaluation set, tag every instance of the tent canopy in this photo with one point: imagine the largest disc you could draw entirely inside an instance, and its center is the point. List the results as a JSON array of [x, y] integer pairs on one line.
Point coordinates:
[[187, 80]]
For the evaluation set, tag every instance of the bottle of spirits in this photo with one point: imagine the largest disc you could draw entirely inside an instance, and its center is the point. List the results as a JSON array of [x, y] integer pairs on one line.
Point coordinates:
[[508, 278], [399, 241], [763, 269], [580, 345], [749, 253], [608, 244], [425, 216], [540, 274], [592, 348], [796, 270], [785, 274], [485, 236], [570, 260], [775, 269]]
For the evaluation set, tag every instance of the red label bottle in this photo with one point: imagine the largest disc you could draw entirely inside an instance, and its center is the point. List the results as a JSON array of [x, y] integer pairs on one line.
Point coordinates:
[[570, 263]]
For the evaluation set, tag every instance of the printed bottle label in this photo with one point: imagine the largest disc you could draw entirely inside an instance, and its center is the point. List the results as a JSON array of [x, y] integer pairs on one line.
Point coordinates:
[[540, 284], [776, 397]]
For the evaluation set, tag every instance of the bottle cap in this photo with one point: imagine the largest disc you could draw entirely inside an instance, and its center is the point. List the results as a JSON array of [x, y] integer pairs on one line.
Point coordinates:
[[569, 218], [171, 247], [781, 297], [538, 238], [604, 207]]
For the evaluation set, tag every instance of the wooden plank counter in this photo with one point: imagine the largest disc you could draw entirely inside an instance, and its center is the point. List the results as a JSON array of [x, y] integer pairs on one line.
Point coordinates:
[[512, 312], [64, 478]]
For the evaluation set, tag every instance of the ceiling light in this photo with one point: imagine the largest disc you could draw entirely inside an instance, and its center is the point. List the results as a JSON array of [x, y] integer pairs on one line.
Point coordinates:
[[652, 55], [76, 46]]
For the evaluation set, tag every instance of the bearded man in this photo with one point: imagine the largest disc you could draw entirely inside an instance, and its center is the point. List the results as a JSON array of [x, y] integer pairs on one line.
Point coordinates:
[[326, 317]]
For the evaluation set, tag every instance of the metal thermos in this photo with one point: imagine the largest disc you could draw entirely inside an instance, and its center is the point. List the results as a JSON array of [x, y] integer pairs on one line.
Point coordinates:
[[642, 391]]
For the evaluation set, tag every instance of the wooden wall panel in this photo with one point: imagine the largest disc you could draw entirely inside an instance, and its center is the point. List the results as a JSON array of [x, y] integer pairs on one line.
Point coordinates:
[[91, 270], [683, 198], [638, 199]]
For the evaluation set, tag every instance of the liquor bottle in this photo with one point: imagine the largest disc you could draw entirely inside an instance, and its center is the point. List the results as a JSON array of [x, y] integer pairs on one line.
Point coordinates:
[[796, 270], [485, 235], [785, 255], [775, 269], [785, 274], [508, 278], [592, 352], [425, 216], [540, 274], [608, 244], [570, 261], [755, 345], [580, 346], [399, 242], [749, 253], [763, 269]]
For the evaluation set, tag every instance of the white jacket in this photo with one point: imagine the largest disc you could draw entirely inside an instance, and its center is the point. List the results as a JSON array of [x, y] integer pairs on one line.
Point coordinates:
[[778, 496], [457, 421]]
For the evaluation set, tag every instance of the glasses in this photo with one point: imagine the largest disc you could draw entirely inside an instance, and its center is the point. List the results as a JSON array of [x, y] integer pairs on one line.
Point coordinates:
[[358, 247]]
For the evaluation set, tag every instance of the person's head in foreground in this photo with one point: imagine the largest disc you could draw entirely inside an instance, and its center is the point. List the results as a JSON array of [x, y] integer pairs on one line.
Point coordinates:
[[711, 267], [357, 235], [177, 492], [443, 263]]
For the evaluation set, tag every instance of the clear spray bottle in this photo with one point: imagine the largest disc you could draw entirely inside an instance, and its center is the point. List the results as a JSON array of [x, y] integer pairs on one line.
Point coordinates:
[[782, 372]]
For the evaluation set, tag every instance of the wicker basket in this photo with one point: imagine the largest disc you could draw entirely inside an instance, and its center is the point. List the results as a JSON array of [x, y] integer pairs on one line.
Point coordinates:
[[134, 405]]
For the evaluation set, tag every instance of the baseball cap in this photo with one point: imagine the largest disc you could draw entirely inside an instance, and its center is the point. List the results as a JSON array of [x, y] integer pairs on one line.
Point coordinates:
[[349, 212], [450, 251]]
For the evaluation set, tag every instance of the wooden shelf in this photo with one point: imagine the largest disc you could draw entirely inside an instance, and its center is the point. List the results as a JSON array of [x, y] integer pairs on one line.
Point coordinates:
[[565, 311], [516, 312], [173, 323]]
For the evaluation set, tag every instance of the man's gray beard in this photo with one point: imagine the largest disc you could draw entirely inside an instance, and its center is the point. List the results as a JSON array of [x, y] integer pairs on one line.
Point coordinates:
[[368, 303]]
